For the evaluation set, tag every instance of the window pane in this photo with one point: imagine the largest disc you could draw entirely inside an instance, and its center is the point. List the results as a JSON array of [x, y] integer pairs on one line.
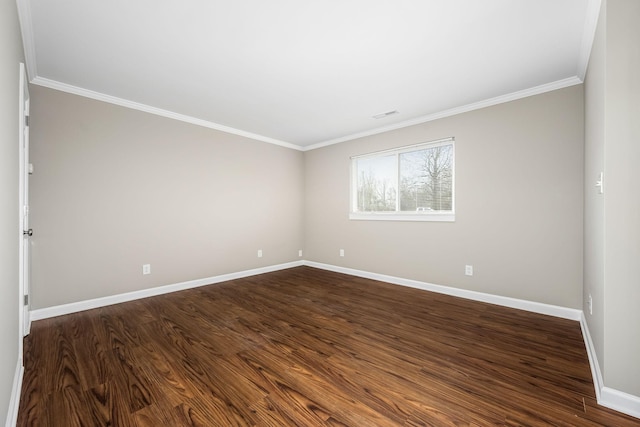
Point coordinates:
[[377, 184], [426, 179], [411, 183]]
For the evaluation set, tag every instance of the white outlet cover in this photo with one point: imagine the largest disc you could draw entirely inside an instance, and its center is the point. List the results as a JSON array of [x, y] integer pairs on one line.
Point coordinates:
[[468, 270]]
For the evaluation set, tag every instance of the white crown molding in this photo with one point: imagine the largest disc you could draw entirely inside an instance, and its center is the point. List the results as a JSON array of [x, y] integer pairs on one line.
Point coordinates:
[[16, 389], [52, 84], [28, 43], [74, 307], [537, 90], [588, 34], [535, 307], [26, 25]]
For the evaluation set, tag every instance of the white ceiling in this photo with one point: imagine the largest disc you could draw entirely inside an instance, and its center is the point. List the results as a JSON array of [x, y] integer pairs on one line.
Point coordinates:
[[307, 73]]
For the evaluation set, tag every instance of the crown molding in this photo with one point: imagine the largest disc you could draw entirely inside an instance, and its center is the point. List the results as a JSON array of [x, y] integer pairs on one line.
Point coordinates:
[[588, 35], [28, 43], [52, 84], [537, 90], [26, 25]]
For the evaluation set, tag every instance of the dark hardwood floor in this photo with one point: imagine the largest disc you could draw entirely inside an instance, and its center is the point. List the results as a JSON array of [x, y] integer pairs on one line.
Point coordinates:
[[306, 347]]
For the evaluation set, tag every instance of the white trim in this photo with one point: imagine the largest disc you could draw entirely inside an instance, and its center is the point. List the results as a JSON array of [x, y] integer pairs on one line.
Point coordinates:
[[450, 140], [74, 307], [606, 396], [537, 90], [620, 401], [535, 307], [24, 244], [14, 401], [611, 398], [588, 34], [52, 84], [21, 209], [28, 41], [598, 383], [396, 216]]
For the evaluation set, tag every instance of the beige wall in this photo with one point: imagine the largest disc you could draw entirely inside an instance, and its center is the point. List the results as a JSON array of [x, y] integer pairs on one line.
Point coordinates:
[[622, 204], [519, 181], [612, 220], [10, 57], [115, 188]]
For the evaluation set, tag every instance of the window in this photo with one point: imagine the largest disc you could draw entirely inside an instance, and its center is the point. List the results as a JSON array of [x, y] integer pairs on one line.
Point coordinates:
[[414, 183]]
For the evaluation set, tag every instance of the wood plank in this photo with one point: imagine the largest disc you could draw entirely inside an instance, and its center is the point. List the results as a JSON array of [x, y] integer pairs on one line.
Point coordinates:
[[307, 347]]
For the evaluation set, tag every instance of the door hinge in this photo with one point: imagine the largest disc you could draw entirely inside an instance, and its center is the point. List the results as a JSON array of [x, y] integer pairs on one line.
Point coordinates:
[[26, 121], [26, 300]]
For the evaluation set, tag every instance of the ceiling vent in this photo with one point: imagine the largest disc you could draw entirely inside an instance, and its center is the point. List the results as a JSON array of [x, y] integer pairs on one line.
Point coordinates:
[[385, 114]]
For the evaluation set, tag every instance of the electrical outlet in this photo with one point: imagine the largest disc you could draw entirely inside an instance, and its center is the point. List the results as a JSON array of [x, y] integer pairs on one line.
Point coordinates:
[[341, 252], [590, 304], [468, 270], [146, 269], [259, 253], [300, 252]]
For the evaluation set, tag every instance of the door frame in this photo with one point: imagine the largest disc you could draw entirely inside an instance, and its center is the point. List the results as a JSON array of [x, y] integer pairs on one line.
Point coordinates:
[[24, 321]]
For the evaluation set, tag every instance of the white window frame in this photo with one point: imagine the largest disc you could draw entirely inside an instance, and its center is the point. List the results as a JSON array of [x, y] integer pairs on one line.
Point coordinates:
[[442, 216]]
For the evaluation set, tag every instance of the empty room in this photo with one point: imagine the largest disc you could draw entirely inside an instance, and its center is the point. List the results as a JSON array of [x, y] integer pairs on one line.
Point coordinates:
[[357, 213]]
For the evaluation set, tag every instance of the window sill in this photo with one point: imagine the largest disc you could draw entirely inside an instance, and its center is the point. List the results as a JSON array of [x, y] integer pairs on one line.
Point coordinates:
[[380, 216]]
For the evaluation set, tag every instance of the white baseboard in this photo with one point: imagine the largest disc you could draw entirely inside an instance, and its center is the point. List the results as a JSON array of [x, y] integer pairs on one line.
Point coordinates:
[[606, 396], [620, 401], [14, 402], [552, 310], [59, 310], [598, 382], [536, 307], [611, 398]]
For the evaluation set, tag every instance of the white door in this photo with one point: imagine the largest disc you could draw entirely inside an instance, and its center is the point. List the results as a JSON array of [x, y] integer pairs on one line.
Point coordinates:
[[25, 231]]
